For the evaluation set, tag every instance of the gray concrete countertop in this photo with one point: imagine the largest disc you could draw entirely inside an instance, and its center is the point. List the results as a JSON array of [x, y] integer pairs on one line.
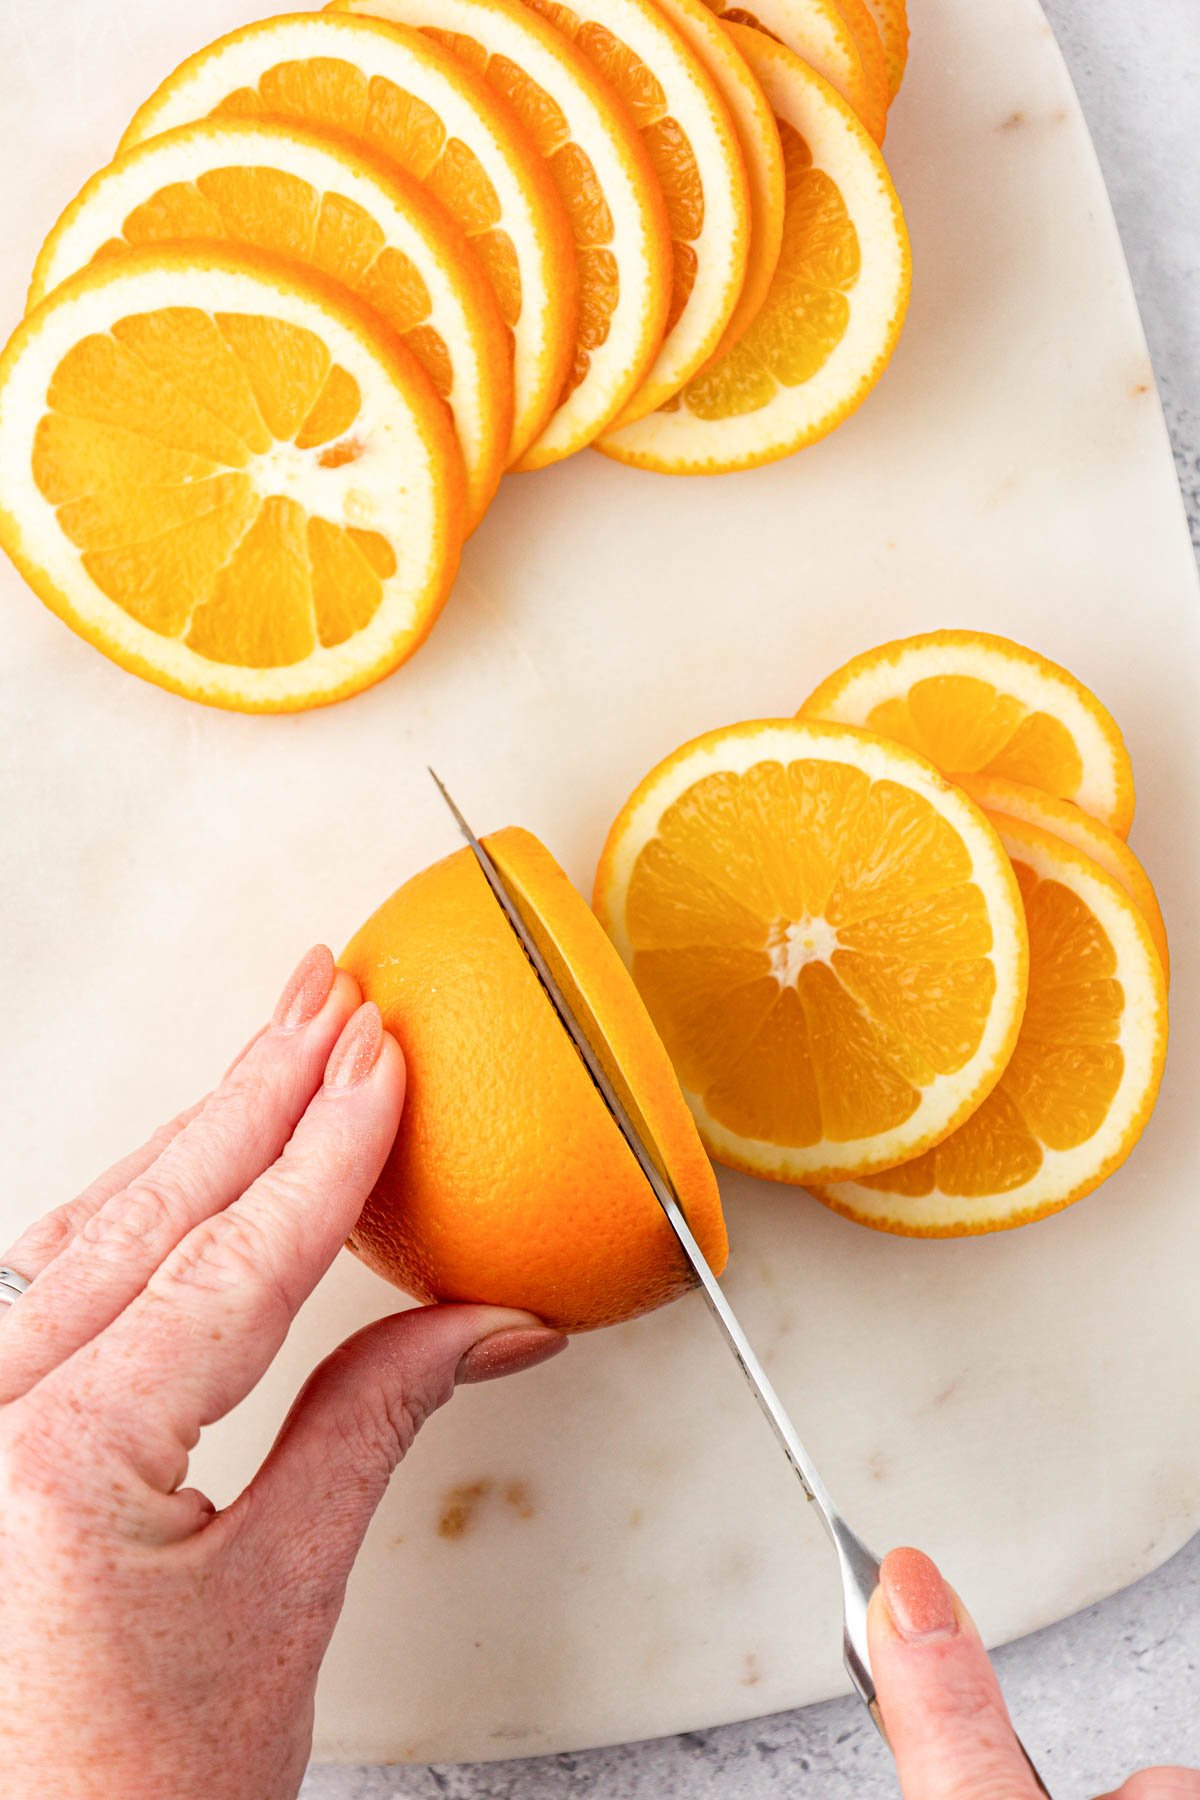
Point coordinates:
[[1115, 1687]]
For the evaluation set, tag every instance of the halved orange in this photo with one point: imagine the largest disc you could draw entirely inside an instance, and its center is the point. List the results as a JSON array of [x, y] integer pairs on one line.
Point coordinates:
[[758, 140], [690, 139], [228, 476], [977, 704], [256, 185], [515, 1187], [827, 935], [1002, 799], [819, 33], [398, 95], [1083, 1078], [833, 312], [599, 164]]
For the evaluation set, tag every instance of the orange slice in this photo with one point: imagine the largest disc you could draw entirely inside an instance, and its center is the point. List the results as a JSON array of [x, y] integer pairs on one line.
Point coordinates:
[[758, 140], [817, 31], [690, 139], [869, 44], [891, 19], [1083, 1078], [607, 184], [228, 476], [262, 186], [400, 96], [828, 937], [1003, 800], [976, 704], [833, 312]]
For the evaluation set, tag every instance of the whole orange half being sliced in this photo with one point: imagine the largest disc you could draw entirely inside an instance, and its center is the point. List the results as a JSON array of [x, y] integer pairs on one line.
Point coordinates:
[[976, 704], [255, 185], [690, 139], [833, 312], [398, 95], [514, 1186], [604, 176], [1083, 1078], [829, 938], [228, 476]]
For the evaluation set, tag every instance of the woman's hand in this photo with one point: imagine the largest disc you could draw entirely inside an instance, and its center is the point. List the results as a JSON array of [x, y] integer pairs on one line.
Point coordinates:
[[945, 1715], [151, 1646]]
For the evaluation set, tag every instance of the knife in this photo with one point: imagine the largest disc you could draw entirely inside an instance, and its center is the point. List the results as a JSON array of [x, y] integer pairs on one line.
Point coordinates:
[[857, 1565]]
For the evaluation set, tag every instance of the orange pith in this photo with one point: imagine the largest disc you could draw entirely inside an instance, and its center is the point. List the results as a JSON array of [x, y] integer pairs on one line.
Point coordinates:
[[261, 186], [891, 18], [604, 178], [977, 704], [392, 92], [203, 485], [827, 937], [834, 309], [513, 1185], [817, 31], [1083, 1077]]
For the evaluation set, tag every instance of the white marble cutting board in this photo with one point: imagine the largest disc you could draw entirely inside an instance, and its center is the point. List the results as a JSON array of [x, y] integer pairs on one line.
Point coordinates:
[[636, 1558]]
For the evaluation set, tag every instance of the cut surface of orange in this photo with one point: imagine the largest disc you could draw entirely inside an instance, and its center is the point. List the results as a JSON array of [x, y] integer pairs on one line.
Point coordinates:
[[398, 95], [891, 17], [691, 142], [607, 184], [228, 477], [827, 935], [834, 309], [818, 32], [869, 44], [489, 1194], [1083, 1078], [758, 140], [260, 186], [1006, 800], [976, 704]]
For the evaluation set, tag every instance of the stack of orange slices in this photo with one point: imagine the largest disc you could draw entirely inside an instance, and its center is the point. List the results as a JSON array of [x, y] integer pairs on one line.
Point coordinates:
[[897, 947], [349, 267]]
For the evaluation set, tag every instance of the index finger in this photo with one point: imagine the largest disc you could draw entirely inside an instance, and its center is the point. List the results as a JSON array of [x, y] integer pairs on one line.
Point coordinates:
[[945, 1716]]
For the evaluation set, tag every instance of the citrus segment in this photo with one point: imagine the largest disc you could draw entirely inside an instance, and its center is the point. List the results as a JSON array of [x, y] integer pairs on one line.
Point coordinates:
[[262, 186], [487, 1197], [834, 309], [607, 184], [228, 477], [1002, 799], [692, 146], [828, 938], [818, 33], [758, 141], [976, 704], [397, 95], [1082, 1080]]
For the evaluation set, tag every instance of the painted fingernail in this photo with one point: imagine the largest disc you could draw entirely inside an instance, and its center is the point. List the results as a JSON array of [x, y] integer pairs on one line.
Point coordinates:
[[307, 990], [920, 1603], [357, 1050], [508, 1352]]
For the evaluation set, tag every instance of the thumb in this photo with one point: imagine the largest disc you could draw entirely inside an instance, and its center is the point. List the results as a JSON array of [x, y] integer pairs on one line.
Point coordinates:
[[942, 1707], [308, 1508]]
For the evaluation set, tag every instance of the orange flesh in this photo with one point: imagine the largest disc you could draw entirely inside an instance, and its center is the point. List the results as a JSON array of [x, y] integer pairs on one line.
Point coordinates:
[[145, 452], [968, 727], [1064, 1072], [812, 948]]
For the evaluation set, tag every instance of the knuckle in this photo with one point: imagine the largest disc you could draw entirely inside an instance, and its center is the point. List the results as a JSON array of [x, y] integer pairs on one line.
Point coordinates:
[[39, 1448], [377, 1428], [142, 1216], [228, 1254], [45, 1237]]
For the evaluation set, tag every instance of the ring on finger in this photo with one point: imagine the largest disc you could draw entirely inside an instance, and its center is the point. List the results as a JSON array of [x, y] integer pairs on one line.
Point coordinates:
[[12, 1286]]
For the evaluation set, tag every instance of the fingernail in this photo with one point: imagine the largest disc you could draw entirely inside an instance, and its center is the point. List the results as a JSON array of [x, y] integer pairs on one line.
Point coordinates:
[[920, 1603], [307, 990], [357, 1050], [508, 1352]]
